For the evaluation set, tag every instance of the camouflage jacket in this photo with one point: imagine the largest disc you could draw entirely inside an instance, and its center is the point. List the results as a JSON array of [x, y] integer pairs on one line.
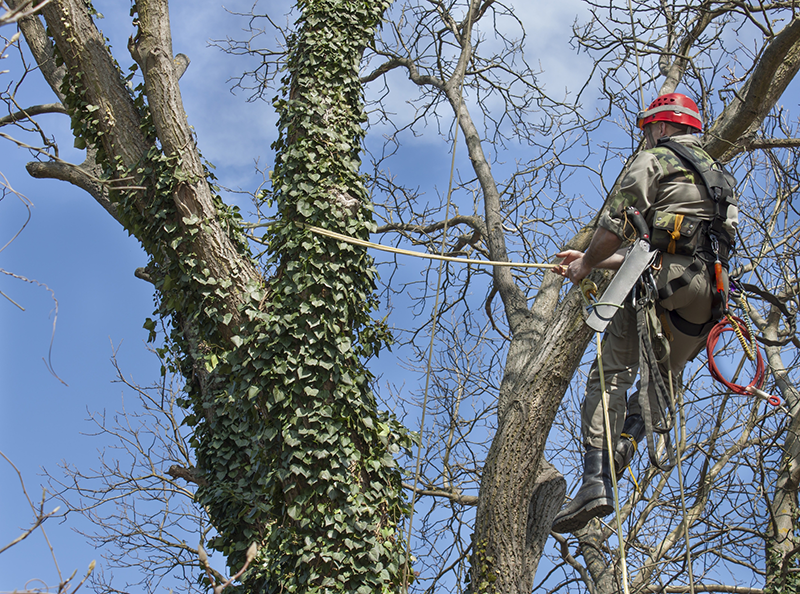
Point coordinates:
[[658, 180]]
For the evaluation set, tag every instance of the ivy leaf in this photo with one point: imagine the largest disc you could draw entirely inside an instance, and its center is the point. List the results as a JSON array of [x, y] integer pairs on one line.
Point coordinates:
[[304, 208], [343, 344], [211, 362]]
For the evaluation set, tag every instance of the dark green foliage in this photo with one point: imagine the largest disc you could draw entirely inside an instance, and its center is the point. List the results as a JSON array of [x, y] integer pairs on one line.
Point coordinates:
[[779, 582]]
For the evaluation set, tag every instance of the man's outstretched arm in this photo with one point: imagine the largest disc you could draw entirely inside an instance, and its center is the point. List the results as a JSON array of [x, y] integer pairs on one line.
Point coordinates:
[[601, 253]]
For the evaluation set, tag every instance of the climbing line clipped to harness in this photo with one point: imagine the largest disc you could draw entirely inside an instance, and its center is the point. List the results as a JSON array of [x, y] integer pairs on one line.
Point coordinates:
[[434, 321], [588, 292], [429, 365]]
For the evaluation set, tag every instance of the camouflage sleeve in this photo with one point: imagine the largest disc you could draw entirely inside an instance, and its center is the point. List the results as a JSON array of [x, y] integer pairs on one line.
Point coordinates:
[[638, 188]]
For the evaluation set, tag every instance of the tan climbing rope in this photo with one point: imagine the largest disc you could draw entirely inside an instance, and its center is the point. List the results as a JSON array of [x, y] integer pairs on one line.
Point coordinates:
[[678, 424], [435, 318], [587, 290], [441, 257]]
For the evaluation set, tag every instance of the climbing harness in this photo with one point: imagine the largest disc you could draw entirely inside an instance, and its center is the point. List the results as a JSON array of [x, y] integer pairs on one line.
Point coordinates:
[[713, 245], [719, 185]]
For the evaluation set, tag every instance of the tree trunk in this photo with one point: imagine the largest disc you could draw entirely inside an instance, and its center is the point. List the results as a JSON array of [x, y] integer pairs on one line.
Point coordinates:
[[783, 537], [514, 472], [548, 343]]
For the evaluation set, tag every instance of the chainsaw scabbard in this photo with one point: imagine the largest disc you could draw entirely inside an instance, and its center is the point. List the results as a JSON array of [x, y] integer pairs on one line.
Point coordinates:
[[637, 260]]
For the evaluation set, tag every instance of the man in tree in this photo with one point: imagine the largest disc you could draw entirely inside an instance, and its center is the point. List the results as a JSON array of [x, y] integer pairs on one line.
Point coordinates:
[[693, 230]]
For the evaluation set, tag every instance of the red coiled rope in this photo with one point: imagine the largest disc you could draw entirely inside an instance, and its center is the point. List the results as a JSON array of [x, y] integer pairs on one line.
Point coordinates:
[[725, 325]]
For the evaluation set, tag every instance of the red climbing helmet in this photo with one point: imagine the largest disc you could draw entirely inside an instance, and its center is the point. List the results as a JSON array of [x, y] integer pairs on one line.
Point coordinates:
[[672, 107]]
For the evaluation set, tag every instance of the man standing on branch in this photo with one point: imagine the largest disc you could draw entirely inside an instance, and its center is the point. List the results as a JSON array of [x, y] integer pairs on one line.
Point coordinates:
[[693, 227]]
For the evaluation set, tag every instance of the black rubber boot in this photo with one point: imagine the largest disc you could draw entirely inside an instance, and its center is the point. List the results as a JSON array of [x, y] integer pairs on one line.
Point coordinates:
[[632, 435], [594, 498]]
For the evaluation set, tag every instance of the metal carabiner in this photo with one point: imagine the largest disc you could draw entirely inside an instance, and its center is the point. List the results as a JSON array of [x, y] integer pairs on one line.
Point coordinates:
[[714, 244]]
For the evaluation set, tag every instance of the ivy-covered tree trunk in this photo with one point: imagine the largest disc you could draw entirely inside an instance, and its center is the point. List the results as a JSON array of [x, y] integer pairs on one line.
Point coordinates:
[[332, 496], [293, 454]]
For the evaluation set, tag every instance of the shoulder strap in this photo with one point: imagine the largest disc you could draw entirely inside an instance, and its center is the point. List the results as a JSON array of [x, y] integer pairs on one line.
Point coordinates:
[[717, 179]]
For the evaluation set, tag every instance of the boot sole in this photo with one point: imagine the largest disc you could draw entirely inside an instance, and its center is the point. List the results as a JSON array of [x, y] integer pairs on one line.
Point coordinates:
[[576, 521]]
